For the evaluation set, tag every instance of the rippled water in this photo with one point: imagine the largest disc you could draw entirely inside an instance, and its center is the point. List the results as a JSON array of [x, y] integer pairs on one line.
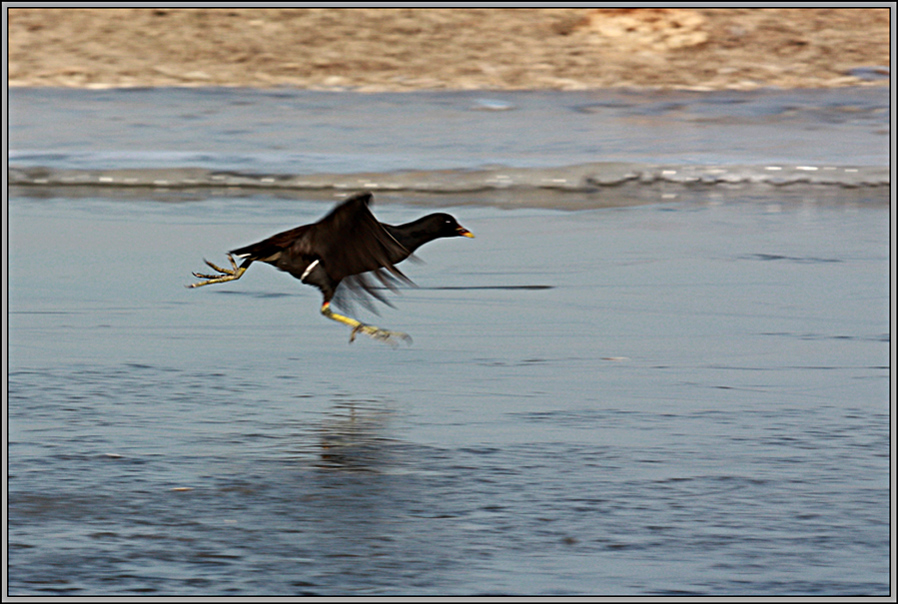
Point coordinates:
[[312, 140], [682, 397], [697, 403]]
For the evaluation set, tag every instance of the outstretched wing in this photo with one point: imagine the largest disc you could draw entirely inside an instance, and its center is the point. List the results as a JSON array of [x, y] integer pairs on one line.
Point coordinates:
[[362, 288], [351, 241], [348, 241], [353, 247]]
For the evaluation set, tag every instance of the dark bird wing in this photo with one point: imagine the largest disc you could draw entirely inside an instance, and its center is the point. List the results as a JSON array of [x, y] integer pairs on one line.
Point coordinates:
[[361, 288], [353, 247], [351, 241]]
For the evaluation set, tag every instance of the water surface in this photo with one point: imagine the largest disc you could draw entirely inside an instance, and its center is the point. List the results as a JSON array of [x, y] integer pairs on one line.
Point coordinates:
[[674, 398], [679, 385]]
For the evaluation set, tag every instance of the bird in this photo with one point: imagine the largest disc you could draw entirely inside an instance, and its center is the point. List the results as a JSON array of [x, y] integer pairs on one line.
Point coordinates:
[[338, 252]]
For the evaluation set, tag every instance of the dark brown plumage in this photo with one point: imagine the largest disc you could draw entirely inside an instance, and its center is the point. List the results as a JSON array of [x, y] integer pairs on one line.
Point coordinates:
[[341, 249]]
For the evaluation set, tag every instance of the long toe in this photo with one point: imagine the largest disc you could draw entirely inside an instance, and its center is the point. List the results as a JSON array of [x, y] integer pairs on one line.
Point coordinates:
[[383, 335], [223, 271]]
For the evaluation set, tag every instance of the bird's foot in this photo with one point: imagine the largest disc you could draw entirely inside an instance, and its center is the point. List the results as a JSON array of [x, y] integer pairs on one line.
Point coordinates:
[[383, 335], [225, 274]]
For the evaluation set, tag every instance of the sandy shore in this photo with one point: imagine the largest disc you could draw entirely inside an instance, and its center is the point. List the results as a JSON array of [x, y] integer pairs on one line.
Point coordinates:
[[415, 49]]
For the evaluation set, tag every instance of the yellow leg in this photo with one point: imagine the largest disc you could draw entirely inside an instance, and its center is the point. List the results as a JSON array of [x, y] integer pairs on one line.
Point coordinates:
[[227, 274], [357, 326]]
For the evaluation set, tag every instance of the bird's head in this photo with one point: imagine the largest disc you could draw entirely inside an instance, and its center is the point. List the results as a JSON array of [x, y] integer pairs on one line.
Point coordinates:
[[447, 226]]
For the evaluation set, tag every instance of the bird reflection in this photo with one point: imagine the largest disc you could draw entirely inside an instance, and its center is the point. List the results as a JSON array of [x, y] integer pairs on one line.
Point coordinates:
[[351, 438]]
